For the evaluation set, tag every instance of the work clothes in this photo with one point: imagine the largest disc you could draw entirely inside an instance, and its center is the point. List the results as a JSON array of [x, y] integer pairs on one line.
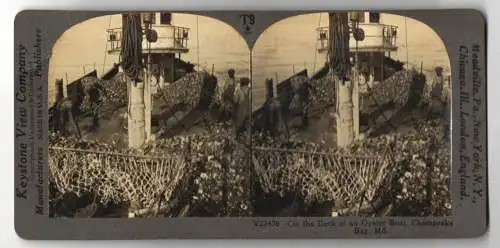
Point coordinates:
[[438, 99], [242, 109], [226, 97], [277, 125], [92, 99]]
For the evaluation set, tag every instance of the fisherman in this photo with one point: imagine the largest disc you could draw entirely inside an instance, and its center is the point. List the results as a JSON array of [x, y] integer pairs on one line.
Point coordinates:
[[295, 106], [447, 109], [226, 92], [92, 98], [276, 124], [437, 102], [304, 95], [156, 84], [300, 102], [269, 120], [66, 114], [55, 113], [242, 107]]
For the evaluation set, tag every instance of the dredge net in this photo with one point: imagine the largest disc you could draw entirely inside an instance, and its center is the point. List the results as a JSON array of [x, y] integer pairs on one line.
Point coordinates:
[[210, 173], [322, 176], [203, 171], [115, 177]]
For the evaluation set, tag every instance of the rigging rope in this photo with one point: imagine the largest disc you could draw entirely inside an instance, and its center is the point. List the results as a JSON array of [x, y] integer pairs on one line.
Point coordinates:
[[406, 43], [197, 43], [106, 50], [316, 47], [132, 46], [339, 50]]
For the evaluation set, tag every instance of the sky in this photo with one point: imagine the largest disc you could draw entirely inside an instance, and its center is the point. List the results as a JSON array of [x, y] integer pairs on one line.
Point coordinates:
[[286, 45]]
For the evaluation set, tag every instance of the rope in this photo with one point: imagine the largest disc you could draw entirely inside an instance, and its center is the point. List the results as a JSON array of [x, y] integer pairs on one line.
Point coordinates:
[[316, 47], [197, 43], [406, 42], [106, 50], [132, 46], [339, 51], [356, 81]]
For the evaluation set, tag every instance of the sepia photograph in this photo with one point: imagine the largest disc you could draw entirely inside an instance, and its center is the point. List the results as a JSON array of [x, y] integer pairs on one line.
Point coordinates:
[[141, 118], [165, 114], [351, 117]]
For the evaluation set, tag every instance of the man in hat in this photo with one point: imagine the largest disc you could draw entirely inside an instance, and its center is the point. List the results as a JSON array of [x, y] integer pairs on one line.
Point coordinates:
[[276, 124], [92, 98], [226, 93], [301, 99], [242, 106], [65, 112], [305, 99], [437, 101]]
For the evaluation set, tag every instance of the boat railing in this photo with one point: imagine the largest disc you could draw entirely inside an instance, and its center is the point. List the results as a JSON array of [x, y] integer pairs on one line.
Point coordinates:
[[176, 37]]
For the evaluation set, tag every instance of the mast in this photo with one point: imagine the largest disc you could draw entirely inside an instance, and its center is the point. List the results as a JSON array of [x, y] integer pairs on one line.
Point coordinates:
[[132, 66], [340, 66]]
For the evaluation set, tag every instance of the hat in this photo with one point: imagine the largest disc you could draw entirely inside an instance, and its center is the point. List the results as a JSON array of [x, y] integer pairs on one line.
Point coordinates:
[[245, 81]]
